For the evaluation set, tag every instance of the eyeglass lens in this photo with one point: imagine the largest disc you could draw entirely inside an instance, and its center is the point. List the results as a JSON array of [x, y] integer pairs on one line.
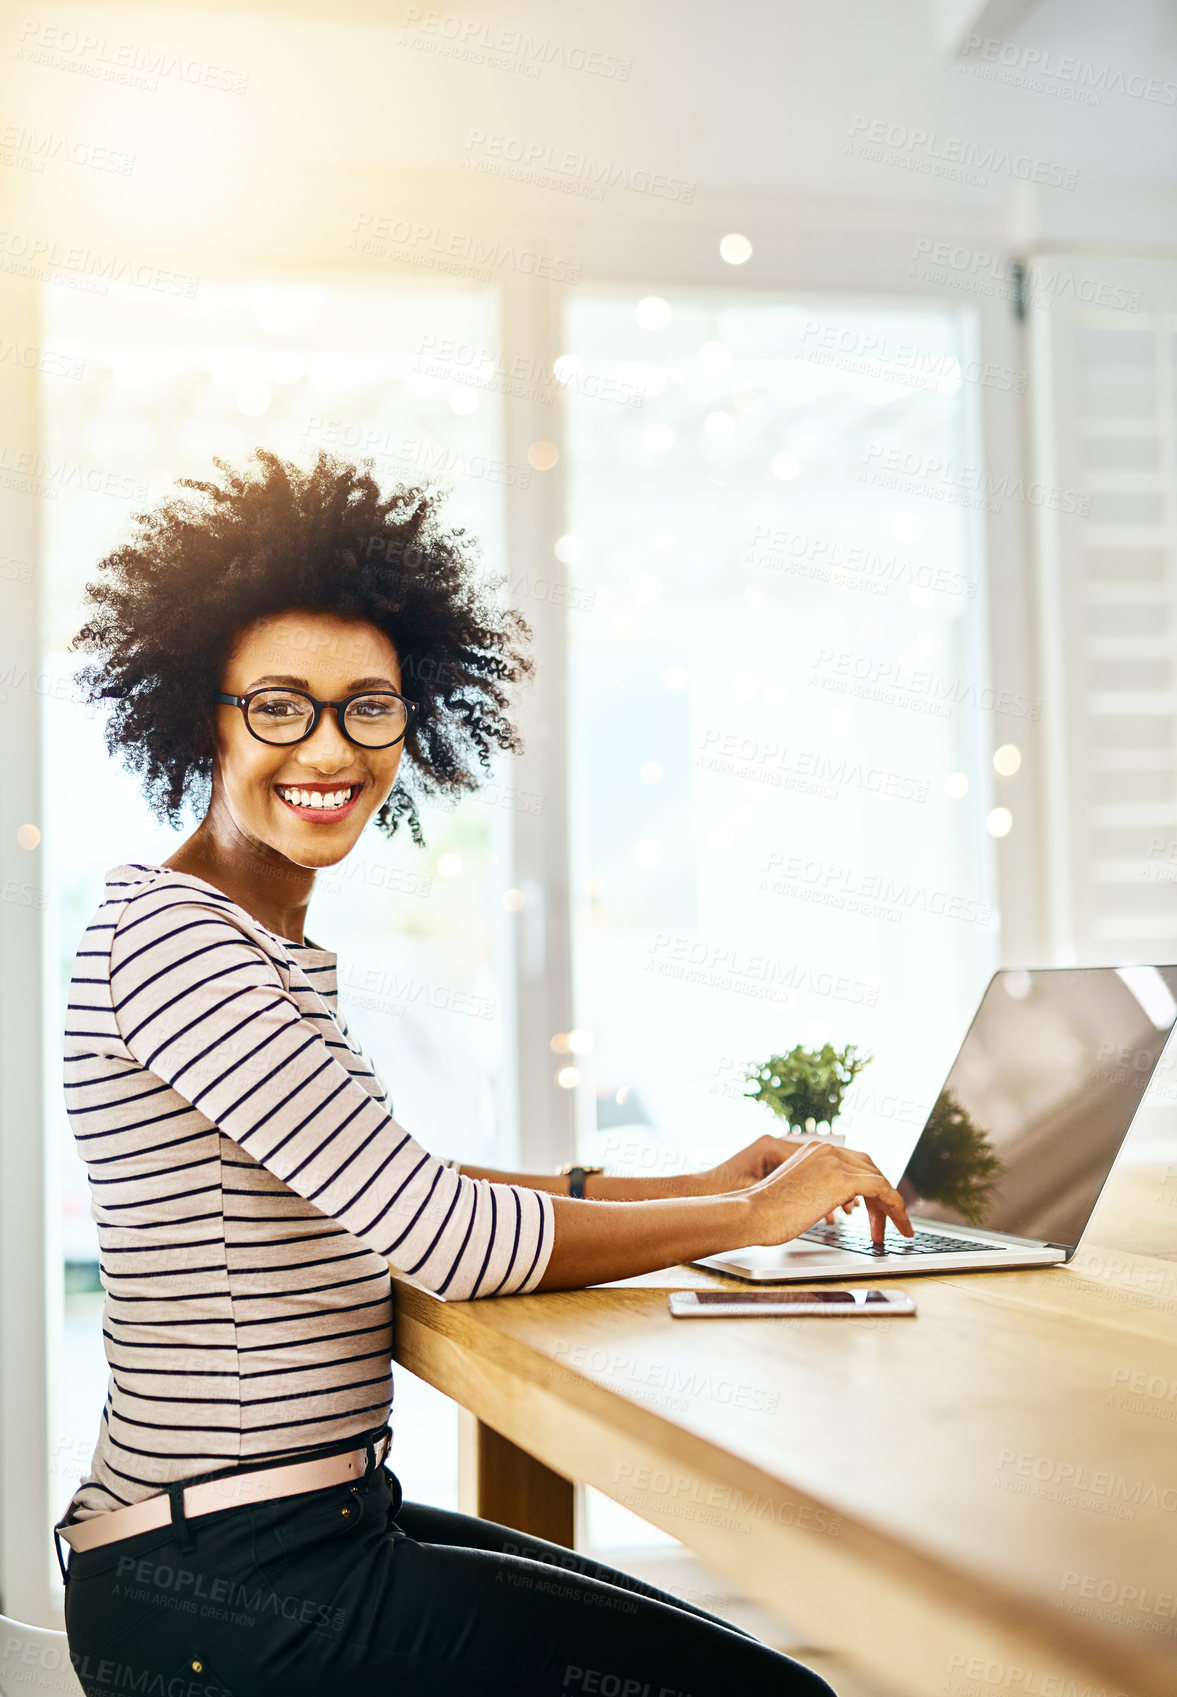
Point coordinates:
[[277, 715]]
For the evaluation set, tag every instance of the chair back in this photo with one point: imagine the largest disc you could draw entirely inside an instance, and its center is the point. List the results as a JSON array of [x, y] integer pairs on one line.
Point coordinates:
[[34, 1659]]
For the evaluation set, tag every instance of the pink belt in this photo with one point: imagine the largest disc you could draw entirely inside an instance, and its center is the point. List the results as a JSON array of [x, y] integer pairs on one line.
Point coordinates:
[[264, 1485]]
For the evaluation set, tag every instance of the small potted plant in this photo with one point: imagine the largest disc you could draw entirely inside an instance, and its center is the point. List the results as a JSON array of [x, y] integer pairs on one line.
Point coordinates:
[[805, 1087]]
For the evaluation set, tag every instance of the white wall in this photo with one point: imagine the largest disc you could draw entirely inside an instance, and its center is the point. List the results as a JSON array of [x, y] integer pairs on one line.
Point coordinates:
[[750, 102]]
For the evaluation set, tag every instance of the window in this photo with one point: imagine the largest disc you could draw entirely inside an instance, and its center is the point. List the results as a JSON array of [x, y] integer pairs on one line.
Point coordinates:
[[780, 732], [779, 755]]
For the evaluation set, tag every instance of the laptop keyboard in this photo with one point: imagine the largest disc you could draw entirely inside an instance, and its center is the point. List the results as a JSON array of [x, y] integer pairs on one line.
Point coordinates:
[[858, 1240]]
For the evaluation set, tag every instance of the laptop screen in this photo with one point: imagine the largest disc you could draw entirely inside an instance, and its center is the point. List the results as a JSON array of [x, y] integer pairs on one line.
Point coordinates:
[[1040, 1098]]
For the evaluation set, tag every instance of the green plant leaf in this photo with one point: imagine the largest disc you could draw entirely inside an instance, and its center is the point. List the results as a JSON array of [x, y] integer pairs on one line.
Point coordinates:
[[805, 1087]]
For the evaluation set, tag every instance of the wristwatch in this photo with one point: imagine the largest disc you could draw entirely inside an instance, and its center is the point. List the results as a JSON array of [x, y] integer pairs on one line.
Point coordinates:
[[576, 1177]]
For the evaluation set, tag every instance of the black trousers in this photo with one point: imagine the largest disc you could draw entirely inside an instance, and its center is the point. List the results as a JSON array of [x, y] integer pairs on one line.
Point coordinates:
[[350, 1592]]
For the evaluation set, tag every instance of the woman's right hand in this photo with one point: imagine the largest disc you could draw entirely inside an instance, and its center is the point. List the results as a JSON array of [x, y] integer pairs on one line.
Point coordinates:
[[815, 1181], [597, 1242]]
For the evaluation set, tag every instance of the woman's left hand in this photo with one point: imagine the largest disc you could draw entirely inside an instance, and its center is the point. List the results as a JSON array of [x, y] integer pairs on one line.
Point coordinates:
[[751, 1165]]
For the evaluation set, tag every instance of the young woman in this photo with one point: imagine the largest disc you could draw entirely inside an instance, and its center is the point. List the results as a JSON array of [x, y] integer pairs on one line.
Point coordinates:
[[276, 647]]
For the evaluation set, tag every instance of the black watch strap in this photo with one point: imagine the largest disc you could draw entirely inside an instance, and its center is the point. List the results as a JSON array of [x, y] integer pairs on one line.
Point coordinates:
[[576, 1177]]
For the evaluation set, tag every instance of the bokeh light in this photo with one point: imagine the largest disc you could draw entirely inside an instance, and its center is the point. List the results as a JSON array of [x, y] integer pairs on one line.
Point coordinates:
[[999, 822], [735, 249]]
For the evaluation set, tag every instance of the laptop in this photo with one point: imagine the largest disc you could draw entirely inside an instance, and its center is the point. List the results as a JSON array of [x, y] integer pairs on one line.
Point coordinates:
[[1010, 1163]]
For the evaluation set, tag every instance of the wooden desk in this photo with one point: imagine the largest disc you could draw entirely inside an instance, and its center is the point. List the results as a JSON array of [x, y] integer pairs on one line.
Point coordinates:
[[983, 1499], [1137, 1212]]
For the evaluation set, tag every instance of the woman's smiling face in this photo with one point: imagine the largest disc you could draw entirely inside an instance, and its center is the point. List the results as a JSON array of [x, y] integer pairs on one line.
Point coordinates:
[[329, 657]]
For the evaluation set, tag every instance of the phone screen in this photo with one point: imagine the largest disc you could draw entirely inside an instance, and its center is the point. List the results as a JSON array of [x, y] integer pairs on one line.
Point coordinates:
[[779, 1298]]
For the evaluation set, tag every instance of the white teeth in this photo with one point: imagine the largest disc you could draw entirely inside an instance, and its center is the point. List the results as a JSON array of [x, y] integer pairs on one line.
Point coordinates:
[[317, 798]]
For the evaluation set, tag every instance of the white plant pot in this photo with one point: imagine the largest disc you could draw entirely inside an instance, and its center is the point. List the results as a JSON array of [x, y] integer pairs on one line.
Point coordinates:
[[837, 1138]]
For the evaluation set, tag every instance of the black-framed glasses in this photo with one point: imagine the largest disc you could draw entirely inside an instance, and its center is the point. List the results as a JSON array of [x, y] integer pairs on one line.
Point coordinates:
[[374, 718]]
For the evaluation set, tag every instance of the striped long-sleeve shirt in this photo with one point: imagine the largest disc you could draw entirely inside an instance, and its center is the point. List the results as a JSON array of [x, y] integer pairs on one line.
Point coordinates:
[[250, 1187]]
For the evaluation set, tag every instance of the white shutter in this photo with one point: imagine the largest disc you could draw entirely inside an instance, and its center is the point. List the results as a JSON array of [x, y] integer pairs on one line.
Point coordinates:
[[1103, 343]]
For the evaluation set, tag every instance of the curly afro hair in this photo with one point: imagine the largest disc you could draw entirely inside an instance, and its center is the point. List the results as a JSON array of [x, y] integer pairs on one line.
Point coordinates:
[[167, 613]]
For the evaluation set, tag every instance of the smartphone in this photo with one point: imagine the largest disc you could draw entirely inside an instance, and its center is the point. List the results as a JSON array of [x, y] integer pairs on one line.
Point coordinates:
[[828, 1304]]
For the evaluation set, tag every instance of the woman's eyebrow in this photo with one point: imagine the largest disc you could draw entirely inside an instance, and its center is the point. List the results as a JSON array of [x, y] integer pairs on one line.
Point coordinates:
[[374, 682]]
